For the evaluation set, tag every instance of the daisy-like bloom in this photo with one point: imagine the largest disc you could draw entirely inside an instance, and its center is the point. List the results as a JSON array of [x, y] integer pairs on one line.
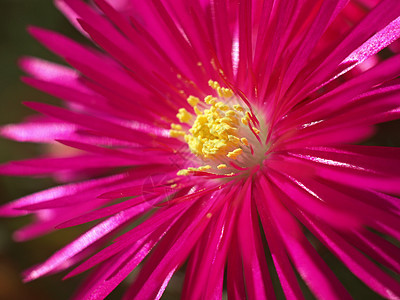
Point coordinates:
[[205, 132]]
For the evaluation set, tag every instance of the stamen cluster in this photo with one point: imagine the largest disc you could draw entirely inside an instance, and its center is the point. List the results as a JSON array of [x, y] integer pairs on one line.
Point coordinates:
[[218, 133]]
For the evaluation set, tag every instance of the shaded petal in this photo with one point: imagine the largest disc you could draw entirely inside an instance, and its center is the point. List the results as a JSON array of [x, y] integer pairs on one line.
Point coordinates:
[[280, 258], [99, 231], [171, 252], [235, 278], [258, 281], [14, 208], [366, 270], [378, 18], [309, 264], [113, 271]]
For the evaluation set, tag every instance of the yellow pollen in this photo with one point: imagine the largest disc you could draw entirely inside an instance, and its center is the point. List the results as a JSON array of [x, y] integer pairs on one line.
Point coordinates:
[[213, 84], [184, 116], [210, 100], [235, 153], [222, 92], [183, 172], [186, 172], [176, 126], [216, 133], [222, 106], [209, 135], [238, 108], [204, 168], [176, 133], [233, 139], [256, 131], [193, 101], [197, 111], [230, 113]]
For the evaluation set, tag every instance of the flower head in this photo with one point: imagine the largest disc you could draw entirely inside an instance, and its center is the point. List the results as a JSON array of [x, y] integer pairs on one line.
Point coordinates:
[[201, 129]]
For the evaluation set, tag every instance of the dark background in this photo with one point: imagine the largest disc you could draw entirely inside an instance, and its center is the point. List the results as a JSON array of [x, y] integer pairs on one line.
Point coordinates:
[[15, 257]]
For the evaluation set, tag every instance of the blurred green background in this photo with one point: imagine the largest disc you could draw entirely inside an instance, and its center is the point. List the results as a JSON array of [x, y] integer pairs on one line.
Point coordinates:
[[15, 257]]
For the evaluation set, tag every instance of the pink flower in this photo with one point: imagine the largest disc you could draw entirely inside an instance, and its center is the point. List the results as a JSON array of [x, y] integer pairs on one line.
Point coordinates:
[[195, 119]]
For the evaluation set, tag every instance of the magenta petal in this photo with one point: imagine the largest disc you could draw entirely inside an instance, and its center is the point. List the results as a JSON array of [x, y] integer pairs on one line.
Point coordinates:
[[128, 239], [258, 281], [379, 41], [313, 77], [326, 12], [38, 132], [312, 202], [235, 279], [141, 204], [204, 280], [109, 274], [366, 270], [104, 127], [309, 264], [378, 173], [213, 251], [44, 166], [170, 253], [282, 264], [376, 20], [91, 236], [377, 248], [14, 208], [48, 71], [69, 13]]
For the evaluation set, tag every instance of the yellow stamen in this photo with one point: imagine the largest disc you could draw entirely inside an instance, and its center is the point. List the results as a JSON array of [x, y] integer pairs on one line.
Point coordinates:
[[183, 172], [176, 133], [210, 100], [193, 101], [213, 84], [235, 153], [230, 113], [256, 131], [184, 116], [216, 132], [233, 139], [176, 126], [197, 111], [204, 168], [224, 92], [222, 106], [238, 108]]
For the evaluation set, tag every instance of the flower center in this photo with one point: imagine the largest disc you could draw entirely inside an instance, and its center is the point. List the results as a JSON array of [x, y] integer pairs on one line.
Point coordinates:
[[221, 136]]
